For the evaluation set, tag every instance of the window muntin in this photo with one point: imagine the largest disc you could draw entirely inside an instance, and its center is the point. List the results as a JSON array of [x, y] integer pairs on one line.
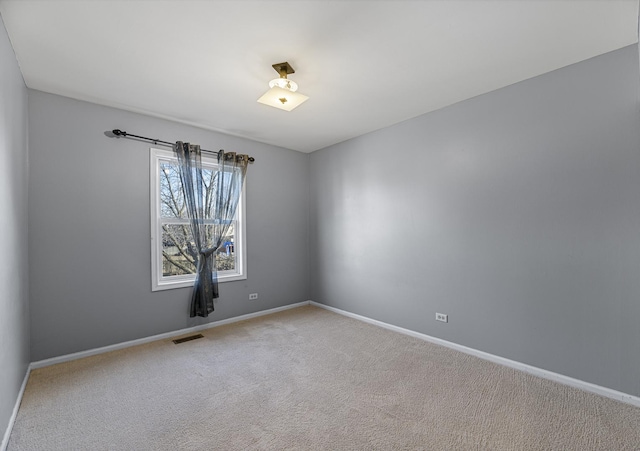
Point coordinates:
[[173, 252]]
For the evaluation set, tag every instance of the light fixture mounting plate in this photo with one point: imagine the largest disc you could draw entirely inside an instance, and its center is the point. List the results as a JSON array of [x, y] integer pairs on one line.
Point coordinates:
[[283, 69]]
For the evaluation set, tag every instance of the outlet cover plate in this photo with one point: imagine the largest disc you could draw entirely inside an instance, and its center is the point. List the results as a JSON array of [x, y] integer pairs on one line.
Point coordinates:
[[442, 317]]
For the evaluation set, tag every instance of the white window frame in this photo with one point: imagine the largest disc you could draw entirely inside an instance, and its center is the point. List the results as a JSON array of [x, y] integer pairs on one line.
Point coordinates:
[[160, 282]]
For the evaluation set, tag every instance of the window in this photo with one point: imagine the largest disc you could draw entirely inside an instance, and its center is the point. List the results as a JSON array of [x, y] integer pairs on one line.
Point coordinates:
[[173, 253]]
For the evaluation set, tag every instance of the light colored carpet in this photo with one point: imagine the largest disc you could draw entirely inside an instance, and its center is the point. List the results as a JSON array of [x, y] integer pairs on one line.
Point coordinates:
[[310, 379]]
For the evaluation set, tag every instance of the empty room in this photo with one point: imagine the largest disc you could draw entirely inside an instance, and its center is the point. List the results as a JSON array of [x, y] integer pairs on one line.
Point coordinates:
[[320, 225]]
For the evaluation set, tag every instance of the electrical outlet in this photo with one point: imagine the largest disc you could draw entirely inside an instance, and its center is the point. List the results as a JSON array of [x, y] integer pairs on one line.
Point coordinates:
[[253, 296], [442, 317]]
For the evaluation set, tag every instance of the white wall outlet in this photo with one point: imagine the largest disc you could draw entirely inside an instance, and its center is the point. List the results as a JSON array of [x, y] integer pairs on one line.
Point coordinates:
[[253, 296], [442, 317]]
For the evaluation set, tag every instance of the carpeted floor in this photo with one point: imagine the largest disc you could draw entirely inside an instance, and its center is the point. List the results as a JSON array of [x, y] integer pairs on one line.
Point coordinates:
[[309, 379]]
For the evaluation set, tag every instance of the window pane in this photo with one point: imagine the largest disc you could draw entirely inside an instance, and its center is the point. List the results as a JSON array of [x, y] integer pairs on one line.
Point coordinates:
[[171, 195], [172, 204], [179, 255], [178, 251], [226, 256]]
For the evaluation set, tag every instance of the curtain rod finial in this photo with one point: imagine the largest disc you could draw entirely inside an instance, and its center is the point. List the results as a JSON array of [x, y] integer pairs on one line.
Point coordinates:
[[115, 133]]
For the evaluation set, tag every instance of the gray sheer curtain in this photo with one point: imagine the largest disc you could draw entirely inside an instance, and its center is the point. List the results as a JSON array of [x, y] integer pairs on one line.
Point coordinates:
[[211, 214]]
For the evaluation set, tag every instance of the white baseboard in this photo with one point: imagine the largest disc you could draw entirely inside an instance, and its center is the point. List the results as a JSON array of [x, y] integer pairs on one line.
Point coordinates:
[[16, 407], [566, 380], [127, 344]]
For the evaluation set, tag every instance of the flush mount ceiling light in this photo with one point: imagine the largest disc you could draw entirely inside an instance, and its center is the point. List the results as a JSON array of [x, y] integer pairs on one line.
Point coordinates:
[[282, 93]]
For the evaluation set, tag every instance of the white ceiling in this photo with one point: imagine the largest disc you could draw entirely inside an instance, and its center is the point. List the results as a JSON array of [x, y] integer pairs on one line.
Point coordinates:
[[364, 64]]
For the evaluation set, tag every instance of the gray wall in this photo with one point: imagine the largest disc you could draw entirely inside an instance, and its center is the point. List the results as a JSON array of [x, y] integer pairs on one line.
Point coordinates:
[[14, 300], [517, 213], [90, 233]]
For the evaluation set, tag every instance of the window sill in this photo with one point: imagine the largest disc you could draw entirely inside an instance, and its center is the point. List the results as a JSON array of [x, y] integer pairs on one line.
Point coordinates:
[[186, 283]]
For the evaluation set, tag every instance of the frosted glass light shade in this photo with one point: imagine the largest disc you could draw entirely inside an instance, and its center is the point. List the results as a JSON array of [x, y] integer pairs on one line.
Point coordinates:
[[284, 83], [283, 99]]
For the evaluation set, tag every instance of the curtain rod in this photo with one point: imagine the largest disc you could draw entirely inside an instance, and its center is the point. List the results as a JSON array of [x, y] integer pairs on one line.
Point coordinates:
[[117, 133]]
